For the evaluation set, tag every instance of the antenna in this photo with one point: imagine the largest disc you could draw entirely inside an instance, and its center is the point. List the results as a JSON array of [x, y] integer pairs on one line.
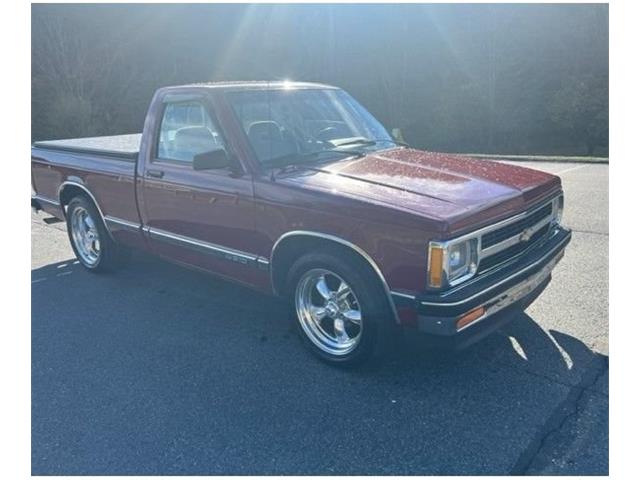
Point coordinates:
[[269, 118]]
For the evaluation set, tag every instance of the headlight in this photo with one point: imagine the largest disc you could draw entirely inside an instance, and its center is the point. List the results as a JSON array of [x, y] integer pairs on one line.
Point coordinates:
[[451, 263], [558, 208]]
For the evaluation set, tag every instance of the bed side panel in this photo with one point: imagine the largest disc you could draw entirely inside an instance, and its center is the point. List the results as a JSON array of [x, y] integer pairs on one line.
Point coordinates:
[[110, 180]]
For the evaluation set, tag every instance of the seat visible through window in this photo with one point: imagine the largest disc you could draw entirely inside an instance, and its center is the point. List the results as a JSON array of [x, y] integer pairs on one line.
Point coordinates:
[[186, 130]]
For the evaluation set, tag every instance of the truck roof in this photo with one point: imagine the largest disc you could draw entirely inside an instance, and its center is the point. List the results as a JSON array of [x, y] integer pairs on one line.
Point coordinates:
[[257, 85]]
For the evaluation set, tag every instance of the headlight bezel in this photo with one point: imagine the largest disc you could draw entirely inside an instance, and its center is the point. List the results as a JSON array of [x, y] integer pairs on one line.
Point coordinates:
[[439, 269], [558, 210]]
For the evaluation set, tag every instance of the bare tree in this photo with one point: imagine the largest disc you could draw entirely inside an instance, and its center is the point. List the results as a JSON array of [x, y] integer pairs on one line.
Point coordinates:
[[83, 77]]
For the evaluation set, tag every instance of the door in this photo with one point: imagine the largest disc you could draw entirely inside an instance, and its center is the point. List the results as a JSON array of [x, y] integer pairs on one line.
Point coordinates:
[[203, 218]]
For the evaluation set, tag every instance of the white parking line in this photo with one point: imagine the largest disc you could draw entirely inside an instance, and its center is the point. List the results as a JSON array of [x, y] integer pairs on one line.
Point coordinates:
[[570, 169]]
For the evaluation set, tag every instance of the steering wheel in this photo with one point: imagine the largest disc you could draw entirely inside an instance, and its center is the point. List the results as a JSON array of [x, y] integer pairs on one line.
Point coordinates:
[[324, 132]]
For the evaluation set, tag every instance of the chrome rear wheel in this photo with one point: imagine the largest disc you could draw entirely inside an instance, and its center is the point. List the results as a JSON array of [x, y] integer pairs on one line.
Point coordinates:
[[328, 311], [85, 236]]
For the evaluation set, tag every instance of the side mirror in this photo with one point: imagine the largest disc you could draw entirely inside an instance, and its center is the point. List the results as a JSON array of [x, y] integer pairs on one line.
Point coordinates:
[[212, 160]]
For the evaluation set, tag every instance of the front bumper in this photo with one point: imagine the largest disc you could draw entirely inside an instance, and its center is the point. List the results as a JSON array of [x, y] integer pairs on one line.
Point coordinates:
[[495, 297]]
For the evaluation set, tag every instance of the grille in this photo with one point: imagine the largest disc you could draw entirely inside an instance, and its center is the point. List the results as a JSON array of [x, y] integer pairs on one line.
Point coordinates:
[[496, 236], [497, 258]]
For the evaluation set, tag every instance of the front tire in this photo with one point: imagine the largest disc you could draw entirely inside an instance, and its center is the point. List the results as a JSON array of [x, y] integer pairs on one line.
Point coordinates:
[[340, 308], [91, 243]]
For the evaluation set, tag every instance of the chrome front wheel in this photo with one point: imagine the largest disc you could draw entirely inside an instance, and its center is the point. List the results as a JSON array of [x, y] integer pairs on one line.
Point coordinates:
[[328, 311]]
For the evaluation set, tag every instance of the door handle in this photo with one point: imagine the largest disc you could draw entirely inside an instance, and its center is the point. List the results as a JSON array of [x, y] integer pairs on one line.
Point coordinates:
[[155, 173], [183, 192]]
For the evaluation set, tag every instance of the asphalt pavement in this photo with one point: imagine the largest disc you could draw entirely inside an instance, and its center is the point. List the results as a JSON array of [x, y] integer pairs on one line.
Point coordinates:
[[161, 370]]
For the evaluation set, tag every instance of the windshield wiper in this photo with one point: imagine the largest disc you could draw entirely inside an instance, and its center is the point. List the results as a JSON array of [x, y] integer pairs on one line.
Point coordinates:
[[367, 142], [295, 159]]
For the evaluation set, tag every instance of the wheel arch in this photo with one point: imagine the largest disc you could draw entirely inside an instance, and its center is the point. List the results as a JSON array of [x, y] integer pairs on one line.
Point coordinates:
[[291, 245], [73, 188]]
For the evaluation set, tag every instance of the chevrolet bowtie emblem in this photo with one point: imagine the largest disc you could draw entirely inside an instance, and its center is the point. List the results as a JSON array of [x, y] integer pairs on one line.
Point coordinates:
[[526, 235]]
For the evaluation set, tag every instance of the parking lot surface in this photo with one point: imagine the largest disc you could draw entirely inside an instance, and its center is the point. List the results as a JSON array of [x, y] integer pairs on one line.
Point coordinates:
[[161, 370]]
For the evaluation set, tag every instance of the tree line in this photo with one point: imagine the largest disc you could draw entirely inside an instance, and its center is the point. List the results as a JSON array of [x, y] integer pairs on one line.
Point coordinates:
[[510, 79]]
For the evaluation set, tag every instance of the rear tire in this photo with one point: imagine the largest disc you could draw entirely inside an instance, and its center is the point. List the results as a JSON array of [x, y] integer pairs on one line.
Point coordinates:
[[340, 308], [91, 243]]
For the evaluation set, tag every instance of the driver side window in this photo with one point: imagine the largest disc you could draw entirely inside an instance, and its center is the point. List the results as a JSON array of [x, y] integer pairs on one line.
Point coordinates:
[[186, 130]]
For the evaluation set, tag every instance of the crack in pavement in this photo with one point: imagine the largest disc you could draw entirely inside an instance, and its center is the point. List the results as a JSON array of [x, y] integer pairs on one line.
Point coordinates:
[[561, 414], [592, 232]]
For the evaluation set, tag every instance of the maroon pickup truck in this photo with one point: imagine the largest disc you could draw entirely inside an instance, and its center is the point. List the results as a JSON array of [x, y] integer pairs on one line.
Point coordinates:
[[296, 189]]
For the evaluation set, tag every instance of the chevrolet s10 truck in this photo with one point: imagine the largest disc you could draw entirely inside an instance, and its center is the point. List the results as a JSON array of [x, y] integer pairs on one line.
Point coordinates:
[[296, 189]]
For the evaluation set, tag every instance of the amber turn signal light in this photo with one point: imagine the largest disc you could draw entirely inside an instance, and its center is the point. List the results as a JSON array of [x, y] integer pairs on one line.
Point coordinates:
[[470, 317], [436, 259]]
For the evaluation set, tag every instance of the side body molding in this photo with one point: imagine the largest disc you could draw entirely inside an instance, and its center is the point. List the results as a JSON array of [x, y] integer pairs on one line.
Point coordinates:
[[341, 241]]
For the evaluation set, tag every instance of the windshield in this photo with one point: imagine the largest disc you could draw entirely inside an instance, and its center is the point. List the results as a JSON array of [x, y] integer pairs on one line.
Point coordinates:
[[289, 126]]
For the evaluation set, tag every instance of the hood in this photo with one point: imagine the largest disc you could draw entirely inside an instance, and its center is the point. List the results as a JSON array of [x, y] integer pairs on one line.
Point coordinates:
[[459, 190]]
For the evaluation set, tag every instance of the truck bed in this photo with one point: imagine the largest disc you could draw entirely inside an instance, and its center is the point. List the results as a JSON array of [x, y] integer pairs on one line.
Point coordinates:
[[124, 146], [104, 166]]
